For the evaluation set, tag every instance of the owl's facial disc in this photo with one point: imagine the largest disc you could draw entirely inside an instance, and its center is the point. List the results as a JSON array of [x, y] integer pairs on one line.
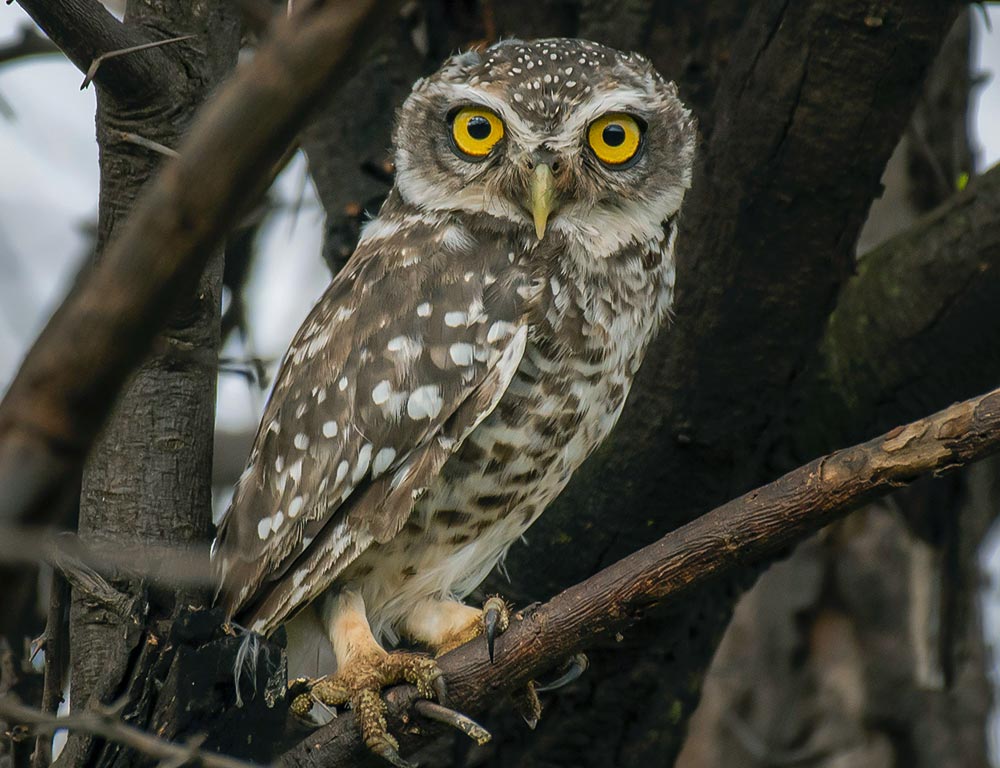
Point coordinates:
[[566, 138]]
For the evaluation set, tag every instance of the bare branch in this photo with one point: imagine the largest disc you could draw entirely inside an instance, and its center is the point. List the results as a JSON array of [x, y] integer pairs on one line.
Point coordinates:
[[105, 724], [70, 379], [30, 43], [133, 49], [750, 528], [154, 146], [91, 564], [56, 662], [86, 31]]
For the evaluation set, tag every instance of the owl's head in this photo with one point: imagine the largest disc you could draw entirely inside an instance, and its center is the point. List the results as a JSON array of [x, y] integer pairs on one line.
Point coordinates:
[[559, 136]]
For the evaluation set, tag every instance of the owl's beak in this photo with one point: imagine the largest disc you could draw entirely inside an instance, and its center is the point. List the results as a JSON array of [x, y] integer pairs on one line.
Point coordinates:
[[543, 197]]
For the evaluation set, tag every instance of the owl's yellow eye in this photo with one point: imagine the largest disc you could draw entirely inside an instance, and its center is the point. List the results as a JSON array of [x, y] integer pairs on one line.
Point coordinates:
[[476, 131], [615, 138]]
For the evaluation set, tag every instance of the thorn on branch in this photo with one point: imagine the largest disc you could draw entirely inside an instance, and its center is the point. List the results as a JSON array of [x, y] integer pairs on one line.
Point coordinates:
[[140, 141], [96, 63]]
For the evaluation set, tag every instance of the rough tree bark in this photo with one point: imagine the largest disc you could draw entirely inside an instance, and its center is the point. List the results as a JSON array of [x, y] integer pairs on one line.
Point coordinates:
[[148, 479]]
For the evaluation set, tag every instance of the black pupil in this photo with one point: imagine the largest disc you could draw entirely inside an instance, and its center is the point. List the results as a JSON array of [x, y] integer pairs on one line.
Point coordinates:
[[479, 127], [613, 135]]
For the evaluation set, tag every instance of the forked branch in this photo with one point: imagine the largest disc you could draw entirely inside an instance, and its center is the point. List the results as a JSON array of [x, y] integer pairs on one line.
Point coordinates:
[[749, 528]]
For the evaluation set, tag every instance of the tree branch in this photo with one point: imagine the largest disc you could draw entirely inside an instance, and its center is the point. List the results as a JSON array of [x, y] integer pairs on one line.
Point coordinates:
[[30, 43], [105, 724], [68, 383], [915, 329], [750, 528], [84, 30]]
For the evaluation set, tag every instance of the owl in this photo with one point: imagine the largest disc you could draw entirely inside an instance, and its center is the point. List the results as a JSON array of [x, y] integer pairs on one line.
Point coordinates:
[[478, 345]]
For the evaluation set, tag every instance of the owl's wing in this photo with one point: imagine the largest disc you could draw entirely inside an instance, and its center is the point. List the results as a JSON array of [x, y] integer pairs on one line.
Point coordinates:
[[410, 348]]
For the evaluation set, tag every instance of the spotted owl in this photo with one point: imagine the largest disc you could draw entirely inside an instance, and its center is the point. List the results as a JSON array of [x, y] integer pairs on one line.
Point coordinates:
[[478, 345]]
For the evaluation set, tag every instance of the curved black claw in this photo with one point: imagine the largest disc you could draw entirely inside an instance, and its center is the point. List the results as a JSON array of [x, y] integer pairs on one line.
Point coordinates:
[[490, 622], [391, 755], [496, 618], [576, 665], [456, 720]]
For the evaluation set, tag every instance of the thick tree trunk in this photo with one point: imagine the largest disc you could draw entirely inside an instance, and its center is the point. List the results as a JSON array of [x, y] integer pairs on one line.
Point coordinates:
[[148, 478]]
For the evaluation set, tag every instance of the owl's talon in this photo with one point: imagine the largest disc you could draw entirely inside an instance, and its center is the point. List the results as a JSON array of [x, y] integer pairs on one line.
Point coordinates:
[[496, 619], [456, 720], [527, 704], [440, 690], [390, 754], [576, 665], [360, 684]]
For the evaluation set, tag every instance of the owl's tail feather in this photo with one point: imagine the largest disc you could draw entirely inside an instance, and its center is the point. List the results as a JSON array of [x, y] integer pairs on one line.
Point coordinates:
[[246, 662]]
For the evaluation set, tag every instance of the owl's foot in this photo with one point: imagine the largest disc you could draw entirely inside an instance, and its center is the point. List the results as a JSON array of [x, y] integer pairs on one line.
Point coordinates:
[[360, 684], [573, 668], [491, 622]]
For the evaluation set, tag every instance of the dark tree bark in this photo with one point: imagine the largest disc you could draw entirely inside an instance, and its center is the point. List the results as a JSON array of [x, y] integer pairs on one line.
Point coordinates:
[[148, 478]]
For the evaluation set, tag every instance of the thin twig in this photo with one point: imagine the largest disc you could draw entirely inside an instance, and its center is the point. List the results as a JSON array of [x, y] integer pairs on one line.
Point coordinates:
[[164, 565], [141, 141], [56, 661], [84, 29], [96, 63], [105, 724]]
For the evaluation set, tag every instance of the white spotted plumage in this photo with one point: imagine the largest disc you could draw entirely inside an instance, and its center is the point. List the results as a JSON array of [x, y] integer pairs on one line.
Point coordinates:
[[466, 366]]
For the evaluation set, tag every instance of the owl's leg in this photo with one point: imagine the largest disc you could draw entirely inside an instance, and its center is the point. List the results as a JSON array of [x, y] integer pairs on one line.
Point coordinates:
[[443, 625], [364, 668]]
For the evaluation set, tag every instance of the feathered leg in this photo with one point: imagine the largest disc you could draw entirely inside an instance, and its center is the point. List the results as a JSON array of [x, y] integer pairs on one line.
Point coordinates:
[[364, 668]]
